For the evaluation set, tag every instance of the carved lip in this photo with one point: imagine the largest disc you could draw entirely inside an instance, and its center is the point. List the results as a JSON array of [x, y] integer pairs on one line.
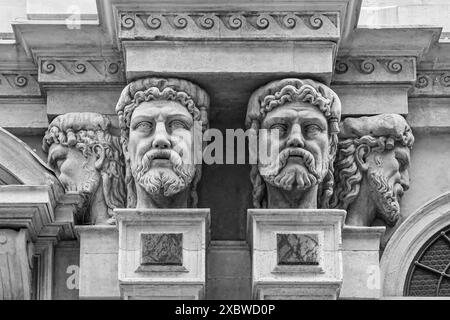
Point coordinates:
[[296, 159]]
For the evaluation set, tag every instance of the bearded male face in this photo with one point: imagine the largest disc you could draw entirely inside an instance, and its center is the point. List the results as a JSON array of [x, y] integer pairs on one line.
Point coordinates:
[[160, 147], [388, 179], [298, 134]]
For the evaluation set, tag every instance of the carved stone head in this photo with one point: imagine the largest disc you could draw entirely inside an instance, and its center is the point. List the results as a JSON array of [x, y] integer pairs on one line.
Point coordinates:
[[371, 168], [158, 120], [89, 160], [301, 122]]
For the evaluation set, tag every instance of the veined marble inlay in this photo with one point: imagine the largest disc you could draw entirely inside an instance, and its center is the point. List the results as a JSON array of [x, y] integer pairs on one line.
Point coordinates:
[[162, 249], [297, 249]]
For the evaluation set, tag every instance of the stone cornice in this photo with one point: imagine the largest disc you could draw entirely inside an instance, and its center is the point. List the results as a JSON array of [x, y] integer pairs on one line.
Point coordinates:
[[45, 38], [373, 69], [414, 41]]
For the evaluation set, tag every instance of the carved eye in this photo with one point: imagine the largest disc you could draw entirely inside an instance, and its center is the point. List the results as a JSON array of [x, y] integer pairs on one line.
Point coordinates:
[[402, 164], [312, 129], [177, 124], [280, 127], [144, 125]]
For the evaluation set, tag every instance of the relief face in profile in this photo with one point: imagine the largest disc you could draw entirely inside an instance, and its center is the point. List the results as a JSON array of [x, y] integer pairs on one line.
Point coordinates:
[[87, 159], [372, 168], [298, 122]]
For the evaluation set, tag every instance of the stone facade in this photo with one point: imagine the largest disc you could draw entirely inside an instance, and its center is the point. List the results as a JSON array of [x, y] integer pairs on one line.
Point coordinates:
[[265, 150]]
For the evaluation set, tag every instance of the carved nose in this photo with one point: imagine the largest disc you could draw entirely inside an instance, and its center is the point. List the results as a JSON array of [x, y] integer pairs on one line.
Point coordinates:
[[404, 180], [296, 138], [161, 140]]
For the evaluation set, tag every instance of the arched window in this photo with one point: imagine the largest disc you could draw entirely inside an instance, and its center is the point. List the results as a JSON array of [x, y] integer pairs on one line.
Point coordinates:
[[429, 273]]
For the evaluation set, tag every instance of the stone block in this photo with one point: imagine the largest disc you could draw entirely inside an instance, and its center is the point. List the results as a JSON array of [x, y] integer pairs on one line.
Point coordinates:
[[235, 60], [361, 258], [311, 240], [372, 99], [103, 100], [99, 248], [152, 243], [228, 271]]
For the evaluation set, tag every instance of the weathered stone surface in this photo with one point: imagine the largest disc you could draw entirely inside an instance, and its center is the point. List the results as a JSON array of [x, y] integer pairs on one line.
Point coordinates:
[[15, 265], [98, 274], [297, 249], [162, 248], [372, 168], [306, 115], [159, 119], [228, 274], [360, 253], [84, 99], [372, 99]]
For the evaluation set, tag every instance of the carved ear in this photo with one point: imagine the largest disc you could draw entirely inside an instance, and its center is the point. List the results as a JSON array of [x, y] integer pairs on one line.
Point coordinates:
[[361, 154], [99, 152]]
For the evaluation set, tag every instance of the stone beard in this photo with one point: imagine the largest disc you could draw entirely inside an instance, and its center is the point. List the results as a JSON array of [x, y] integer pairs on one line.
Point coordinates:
[[299, 119], [372, 168], [88, 159], [158, 122]]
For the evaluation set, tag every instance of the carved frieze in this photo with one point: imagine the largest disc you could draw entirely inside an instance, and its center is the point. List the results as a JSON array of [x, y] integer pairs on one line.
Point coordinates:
[[18, 83], [228, 25], [76, 69], [298, 120], [432, 83], [374, 69], [372, 168]]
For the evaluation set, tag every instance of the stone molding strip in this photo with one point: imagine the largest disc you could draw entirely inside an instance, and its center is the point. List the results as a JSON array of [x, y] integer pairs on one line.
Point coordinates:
[[228, 25], [374, 69], [18, 83], [432, 83], [76, 69]]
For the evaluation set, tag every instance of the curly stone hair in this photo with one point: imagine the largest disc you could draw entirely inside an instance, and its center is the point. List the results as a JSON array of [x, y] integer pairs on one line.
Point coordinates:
[[277, 93], [374, 134], [188, 94], [86, 131]]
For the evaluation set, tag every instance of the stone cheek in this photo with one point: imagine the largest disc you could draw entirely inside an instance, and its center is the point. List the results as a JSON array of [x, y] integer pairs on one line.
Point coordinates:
[[297, 249], [162, 249]]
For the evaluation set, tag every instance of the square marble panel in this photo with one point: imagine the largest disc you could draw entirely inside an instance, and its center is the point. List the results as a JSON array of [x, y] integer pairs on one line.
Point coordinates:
[[297, 249], [162, 249]]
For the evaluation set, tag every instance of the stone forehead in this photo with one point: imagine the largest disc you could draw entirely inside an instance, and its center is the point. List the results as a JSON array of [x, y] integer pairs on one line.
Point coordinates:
[[391, 125], [197, 94], [81, 121], [272, 88]]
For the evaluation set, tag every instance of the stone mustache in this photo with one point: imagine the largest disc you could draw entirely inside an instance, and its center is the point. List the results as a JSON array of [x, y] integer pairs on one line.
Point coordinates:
[[150, 165]]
